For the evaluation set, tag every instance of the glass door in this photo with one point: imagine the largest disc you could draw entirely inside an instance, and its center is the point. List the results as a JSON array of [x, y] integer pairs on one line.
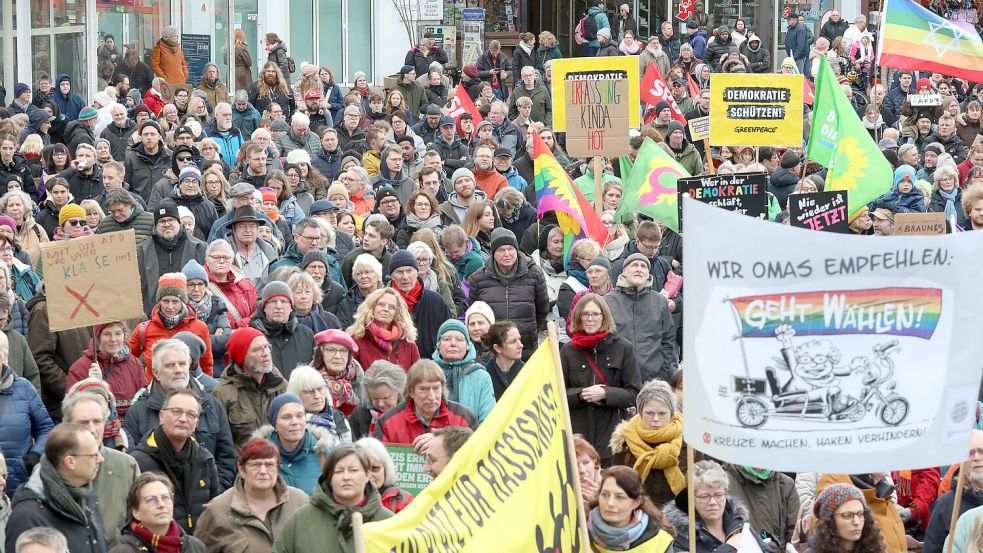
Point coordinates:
[[205, 37], [132, 24]]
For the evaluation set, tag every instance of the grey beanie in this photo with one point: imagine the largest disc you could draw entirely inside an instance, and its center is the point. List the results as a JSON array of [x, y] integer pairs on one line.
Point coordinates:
[[502, 237], [638, 257], [600, 260], [463, 172], [195, 344], [273, 289]]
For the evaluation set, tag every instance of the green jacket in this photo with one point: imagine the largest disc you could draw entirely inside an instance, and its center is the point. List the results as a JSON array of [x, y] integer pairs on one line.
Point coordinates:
[[585, 183], [324, 525], [116, 473], [689, 158]]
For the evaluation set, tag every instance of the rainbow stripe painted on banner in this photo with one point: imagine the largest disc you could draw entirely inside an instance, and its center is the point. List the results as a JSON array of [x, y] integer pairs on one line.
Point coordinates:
[[894, 311]]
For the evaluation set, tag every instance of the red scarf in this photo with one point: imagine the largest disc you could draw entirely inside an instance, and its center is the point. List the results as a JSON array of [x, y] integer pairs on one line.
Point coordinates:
[[412, 296], [168, 543], [582, 340], [385, 338]]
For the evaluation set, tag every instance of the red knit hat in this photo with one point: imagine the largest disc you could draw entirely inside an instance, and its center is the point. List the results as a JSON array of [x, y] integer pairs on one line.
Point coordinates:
[[269, 197], [239, 343], [923, 82]]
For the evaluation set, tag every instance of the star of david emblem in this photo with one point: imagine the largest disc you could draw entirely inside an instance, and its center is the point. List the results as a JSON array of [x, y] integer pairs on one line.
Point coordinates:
[[942, 43]]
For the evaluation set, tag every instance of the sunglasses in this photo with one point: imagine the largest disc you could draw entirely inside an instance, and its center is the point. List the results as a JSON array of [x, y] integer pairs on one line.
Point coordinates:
[[184, 159], [76, 222]]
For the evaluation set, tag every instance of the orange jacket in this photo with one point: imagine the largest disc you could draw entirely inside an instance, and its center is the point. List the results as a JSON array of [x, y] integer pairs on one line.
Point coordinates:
[[147, 333], [883, 510], [490, 182], [169, 65]]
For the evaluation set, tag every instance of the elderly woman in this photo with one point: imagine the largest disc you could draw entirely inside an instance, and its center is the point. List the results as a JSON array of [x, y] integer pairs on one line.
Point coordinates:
[[227, 282], [381, 389], [23, 279], [72, 223], [58, 197], [307, 303], [325, 524], [383, 329], [152, 527], [383, 475], [844, 523], [624, 519], [30, 235], [479, 318], [468, 383], [549, 258], [600, 372], [309, 385], [426, 408], [302, 446], [947, 196], [436, 271], [367, 274], [252, 513], [720, 517], [588, 469], [652, 442], [505, 344], [584, 261], [109, 359], [335, 359], [24, 422]]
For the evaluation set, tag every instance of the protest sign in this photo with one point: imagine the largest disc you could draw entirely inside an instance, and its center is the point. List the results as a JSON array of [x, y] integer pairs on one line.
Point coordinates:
[[743, 192], [618, 66], [653, 90], [819, 211], [91, 280], [763, 111], [919, 224], [410, 474], [512, 480], [809, 355], [925, 100], [597, 113], [699, 128]]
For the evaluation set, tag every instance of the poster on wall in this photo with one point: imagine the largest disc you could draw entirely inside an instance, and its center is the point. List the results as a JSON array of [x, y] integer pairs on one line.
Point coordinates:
[[198, 53], [809, 355], [445, 36], [472, 35]]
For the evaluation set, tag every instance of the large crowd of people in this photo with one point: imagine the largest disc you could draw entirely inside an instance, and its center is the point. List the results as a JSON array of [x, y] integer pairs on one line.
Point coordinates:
[[326, 271]]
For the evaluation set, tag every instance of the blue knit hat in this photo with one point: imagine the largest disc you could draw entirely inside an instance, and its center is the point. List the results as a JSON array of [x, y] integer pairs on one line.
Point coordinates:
[[901, 172], [191, 170], [194, 271], [278, 403]]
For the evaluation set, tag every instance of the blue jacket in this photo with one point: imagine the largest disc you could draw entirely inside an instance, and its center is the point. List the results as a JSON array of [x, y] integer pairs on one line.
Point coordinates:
[[912, 202], [515, 180], [328, 163], [70, 106], [24, 425], [335, 98], [601, 19], [228, 141], [796, 42], [699, 43], [301, 468], [468, 383], [246, 121]]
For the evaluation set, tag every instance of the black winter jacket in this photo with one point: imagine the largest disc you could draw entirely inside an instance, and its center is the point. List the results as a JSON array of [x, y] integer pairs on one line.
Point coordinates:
[[519, 296], [18, 166], [120, 138], [82, 186], [429, 313], [143, 170], [76, 132], [292, 342]]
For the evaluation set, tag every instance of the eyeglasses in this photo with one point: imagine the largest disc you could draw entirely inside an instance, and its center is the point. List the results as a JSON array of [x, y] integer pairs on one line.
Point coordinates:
[[96, 454], [224, 258], [311, 238], [76, 222], [257, 465], [591, 315], [850, 517], [198, 284], [706, 497], [181, 413], [314, 391], [335, 350], [155, 500], [976, 451], [6, 249]]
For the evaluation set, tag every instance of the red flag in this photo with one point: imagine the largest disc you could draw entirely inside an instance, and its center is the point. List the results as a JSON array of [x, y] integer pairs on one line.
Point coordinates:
[[462, 104], [694, 91], [808, 92], [654, 90]]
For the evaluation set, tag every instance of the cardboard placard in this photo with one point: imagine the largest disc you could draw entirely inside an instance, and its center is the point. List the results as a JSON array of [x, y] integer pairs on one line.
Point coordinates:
[[91, 280], [743, 193], [597, 113], [925, 100], [410, 476], [763, 111], [617, 66], [819, 211], [919, 224], [699, 128]]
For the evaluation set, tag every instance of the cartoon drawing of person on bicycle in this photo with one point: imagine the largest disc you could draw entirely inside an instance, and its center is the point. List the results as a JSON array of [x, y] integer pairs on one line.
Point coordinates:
[[814, 369]]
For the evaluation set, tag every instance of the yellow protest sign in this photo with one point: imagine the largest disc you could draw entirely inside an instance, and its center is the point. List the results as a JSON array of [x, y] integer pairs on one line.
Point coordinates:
[[91, 280], [765, 110], [620, 67], [512, 480]]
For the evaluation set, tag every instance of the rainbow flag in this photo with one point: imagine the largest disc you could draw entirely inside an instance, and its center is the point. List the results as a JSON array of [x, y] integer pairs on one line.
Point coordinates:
[[894, 311], [650, 187], [913, 37], [556, 192]]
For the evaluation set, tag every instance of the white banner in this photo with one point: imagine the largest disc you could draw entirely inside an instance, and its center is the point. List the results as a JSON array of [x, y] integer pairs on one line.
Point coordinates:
[[825, 352]]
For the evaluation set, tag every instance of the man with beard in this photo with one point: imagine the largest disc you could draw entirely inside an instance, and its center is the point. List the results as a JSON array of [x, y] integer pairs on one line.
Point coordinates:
[[168, 250], [391, 174], [320, 117], [682, 150], [653, 53], [883, 221], [147, 161], [486, 177], [276, 318], [507, 134], [270, 89], [249, 382], [228, 137], [429, 126], [299, 137], [119, 133], [122, 85], [139, 73], [938, 525], [464, 196], [412, 161], [349, 133]]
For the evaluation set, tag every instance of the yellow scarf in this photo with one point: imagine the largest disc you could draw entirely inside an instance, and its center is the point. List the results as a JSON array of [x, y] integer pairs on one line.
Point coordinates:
[[657, 449]]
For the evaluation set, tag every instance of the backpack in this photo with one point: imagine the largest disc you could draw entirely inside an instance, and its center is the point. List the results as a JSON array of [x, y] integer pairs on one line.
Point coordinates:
[[578, 32], [291, 65], [590, 27]]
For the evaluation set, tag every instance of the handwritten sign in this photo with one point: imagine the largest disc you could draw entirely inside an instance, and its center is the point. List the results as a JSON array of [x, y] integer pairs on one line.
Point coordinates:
[[763, 111], [819, 211], [616, 66], [743, 193], [699, 128], [91, 280], [410, 475], [597, 113], [919, 224], [925, 100]]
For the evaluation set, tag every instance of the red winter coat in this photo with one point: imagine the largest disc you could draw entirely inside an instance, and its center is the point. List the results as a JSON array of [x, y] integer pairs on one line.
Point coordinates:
[[146, 334], [917, 490], [239, 294], [395, 499], [123, 373], [153, 102], [404, 354], [400, 426]]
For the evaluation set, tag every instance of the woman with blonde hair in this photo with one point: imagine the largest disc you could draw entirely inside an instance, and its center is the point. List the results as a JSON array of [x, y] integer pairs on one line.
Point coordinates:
[[383, 329], [547, 51], [479, 221], [31, 150], [244, 61], [93, 213], [198, 109], [395, 102]]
